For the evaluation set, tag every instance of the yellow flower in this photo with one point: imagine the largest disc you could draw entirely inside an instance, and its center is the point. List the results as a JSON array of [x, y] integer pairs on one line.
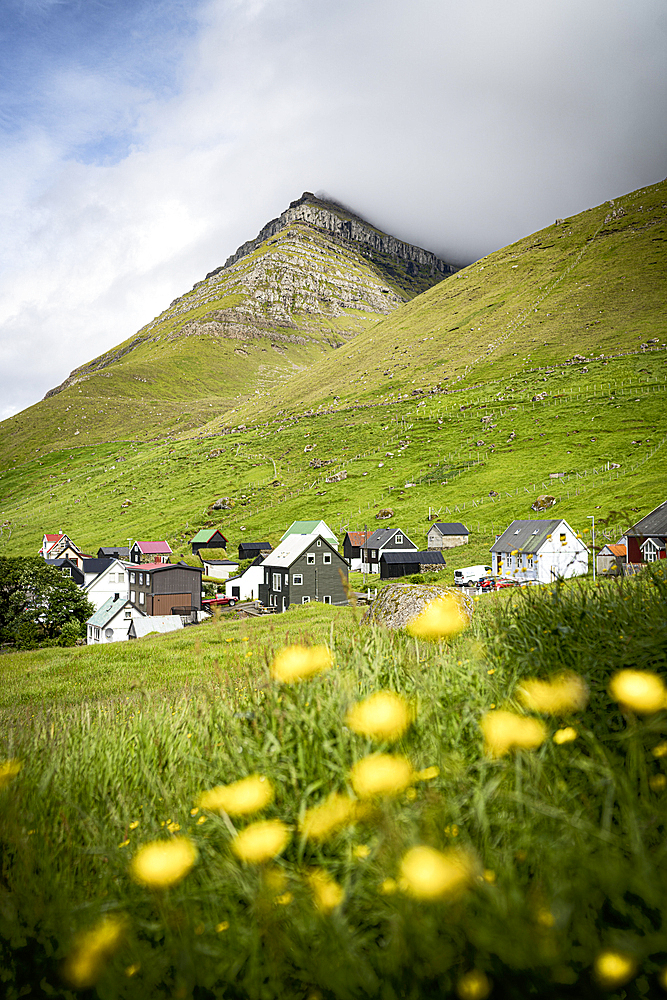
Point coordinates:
[[640, 690], [134, 824], [361, 852], [8, 771], [565, 735], [613, 968], [427, 773], [173, 827], [328, 894], [163, 863], [660, 750], [381, 774], [389, 887], [444, 616], [473, 985], [657, 782], [295, 663], [261, 841], [242, 797], [91, 951], [222, 926], [430, 874], [202, 819], [504, 730], [383, 716], [324, 820], [563, 694]]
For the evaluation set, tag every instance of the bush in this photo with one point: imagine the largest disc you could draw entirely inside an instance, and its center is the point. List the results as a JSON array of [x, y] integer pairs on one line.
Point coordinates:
[[70, 633]]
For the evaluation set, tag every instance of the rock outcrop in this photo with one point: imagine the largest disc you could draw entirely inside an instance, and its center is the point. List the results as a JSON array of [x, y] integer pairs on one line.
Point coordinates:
[[399, 603]]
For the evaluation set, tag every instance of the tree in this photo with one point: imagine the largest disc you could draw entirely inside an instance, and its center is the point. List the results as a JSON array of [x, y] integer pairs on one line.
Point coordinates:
[[37, 602]]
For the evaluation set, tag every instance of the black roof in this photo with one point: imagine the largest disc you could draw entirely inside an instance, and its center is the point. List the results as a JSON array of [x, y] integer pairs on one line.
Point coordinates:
[[654, 523], [141, 567], [381, 536], [97, 565], [435, 558], [450, 528], [115, 551], [258, 546]]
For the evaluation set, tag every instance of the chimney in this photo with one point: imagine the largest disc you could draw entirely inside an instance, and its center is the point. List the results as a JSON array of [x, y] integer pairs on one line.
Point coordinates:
[[116, 596]]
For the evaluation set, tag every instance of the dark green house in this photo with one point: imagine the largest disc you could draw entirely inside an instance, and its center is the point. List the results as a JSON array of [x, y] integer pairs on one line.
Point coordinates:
[[302, 569]]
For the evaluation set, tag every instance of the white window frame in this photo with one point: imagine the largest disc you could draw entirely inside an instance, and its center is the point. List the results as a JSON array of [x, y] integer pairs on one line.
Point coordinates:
[[326, 559], [142, 597], [133, 596], [563, 538], [128, 613], [97, 635], [319, 542], [297, 579], [277, 581], [141, 579], [305, 600], [399, 539], [326, 599], [133, 577], [310, 559]]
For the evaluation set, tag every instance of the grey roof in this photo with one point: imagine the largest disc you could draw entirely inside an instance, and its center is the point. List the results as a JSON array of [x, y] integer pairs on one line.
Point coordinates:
[[113, 551], [108, 610], [77, 574], [97, 565], [435, 558], [218, 562], [654, 523], [529, 536], [381, 536], [259, 546], [450, 528]]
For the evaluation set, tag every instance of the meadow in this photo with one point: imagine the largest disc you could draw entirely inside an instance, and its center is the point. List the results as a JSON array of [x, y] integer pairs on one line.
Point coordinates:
[[527, 864]]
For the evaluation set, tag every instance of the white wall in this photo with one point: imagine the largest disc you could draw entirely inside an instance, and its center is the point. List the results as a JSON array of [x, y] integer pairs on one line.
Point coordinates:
[[113, 580], [248, 583]]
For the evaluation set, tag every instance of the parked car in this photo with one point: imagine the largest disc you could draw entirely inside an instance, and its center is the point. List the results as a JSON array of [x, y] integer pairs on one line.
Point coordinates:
[[488, 583], [470, 575], [219, 602], [500, 584]]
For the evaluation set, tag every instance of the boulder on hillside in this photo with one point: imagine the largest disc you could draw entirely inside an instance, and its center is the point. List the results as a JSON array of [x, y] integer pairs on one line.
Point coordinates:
[[337, 477], [384, 513], [543, 502], [398, 603]]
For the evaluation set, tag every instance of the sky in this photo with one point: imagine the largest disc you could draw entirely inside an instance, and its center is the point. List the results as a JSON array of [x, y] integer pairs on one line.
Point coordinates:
[[142, 141]]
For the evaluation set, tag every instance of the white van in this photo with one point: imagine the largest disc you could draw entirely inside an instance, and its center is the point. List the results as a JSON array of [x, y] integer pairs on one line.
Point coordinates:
[[471, 574]]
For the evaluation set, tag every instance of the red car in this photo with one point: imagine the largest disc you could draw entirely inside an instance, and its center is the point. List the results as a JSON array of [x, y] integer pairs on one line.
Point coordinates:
[[500, 584], [219, 602]]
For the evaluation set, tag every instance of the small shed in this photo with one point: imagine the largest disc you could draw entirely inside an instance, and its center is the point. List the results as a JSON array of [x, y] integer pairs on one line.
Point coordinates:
[[250, 550], [394, 564], [446, 535], [208, 538], [610, 559]]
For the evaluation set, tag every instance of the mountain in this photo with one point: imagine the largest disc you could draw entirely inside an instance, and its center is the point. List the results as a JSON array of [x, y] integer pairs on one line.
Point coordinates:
[[539, 369]]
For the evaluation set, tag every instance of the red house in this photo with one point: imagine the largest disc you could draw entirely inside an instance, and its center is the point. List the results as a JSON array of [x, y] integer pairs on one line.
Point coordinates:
[[646, 540], [149, 552]]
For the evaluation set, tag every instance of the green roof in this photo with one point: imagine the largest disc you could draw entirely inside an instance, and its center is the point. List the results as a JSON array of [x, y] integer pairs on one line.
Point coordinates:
[[309, 528], [204, 534]]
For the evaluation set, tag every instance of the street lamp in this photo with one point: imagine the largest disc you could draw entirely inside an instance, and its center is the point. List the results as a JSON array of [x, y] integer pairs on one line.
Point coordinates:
[[591, 517]]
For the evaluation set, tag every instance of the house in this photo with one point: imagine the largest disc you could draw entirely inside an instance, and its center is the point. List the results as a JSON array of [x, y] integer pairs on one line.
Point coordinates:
[[245, 586], [611, 558], [208, 538], [645, 540], [541, 550], [114, 552], [103, 578], [303, 568], [393, 564], [310, 528], [60, 546], [150, 552], [140, 627], [353, 543], [112, 620], [157, 588], [219, 569], [443, 535], [68, 568], [383, 540], [250, 550]]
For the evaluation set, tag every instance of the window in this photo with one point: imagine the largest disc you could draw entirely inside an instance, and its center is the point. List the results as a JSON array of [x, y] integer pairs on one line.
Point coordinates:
[[530, 562], [67, 571], [319, 543], [277, 580], [326, 599], [142, 597], [90, 631], [133, 596], [326, 558], [97, 634], [297, 579], [399, 539], [310, 559], [128, 613], [133, 577], [141, 579], [305, 600], [563, 539]]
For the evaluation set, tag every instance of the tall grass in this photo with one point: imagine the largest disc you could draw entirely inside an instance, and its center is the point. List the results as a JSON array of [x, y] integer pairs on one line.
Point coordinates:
[[568, 840]]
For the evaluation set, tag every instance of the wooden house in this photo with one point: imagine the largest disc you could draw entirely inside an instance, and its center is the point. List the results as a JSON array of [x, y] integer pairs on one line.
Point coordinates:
[[157, 588], [646, 540], [446, 535], [208, 538], [381, 541], [60, 546], [111, 621], [250, 550], [353, 543], [150, 552], [303, 569], [395, 564], [542, 550]]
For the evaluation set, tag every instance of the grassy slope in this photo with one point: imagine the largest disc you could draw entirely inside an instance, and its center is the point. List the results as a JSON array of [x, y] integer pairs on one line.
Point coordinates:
[[591, 415]]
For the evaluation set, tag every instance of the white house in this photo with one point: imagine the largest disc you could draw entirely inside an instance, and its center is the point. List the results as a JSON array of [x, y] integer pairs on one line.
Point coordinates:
[[60, 546], [446, 535], [110, 623], [105, 578], [542, 550], [382, 541], [245, 587], [219, 569]]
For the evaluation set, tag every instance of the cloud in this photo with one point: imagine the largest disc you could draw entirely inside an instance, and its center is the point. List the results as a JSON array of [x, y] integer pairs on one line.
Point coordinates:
[[146, 140]]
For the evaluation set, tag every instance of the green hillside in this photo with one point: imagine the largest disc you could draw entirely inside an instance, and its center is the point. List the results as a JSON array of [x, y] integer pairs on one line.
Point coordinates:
[[573, 315]]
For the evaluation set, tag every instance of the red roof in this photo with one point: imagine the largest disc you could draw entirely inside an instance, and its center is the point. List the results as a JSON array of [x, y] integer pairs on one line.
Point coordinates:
[[154, 548], [358, 538], [53, 538], [145, 567], [617, 549]]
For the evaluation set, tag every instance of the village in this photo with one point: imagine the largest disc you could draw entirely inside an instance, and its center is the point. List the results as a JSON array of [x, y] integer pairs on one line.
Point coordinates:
[[136, 590]]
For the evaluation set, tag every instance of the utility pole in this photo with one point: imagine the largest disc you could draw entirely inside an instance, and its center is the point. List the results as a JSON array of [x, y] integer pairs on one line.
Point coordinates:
[[591, 517]]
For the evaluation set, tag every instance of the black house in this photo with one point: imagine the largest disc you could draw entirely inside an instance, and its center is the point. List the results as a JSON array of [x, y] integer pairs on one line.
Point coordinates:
[[114, 552], [208, 538], [384, 540], [68, 568], [157, 588], [302, 569], [393, 564], [250, 550]]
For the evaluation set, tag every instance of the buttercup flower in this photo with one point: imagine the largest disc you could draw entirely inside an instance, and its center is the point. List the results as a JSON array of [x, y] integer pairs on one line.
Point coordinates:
[[8, 771], [295, 663], [429, 874], [613, 968], [91, 951], [441, 617], [261, 841], [241, 798], [381, 774], [639, 690], [324, 820], [163, 863], [473, 985], [563, 694], [565, 735], [328, 894], [383, 716], [505, 730]]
